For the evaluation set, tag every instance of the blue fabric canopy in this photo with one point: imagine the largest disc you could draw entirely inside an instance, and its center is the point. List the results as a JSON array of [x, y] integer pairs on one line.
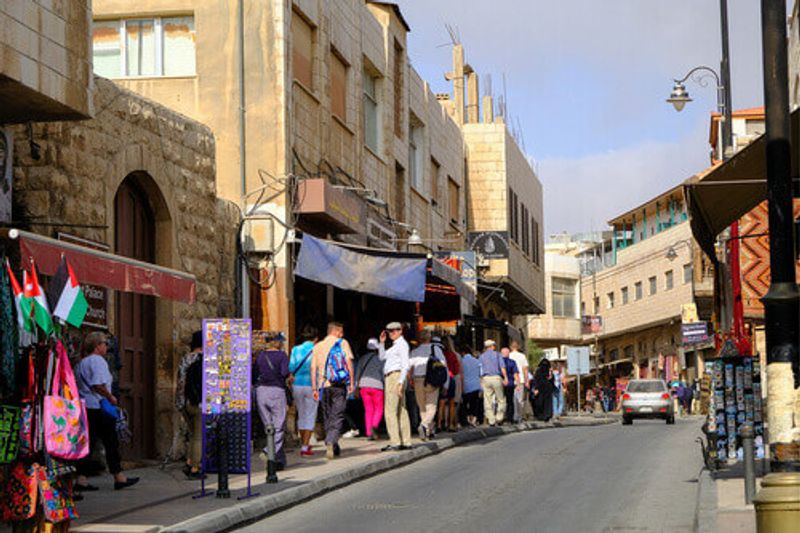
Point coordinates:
[[390, 277]]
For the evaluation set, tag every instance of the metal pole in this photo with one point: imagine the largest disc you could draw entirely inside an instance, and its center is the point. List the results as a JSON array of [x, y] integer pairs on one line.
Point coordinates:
[[725, 71], [222, 457], [749, 463], [272, 467], [579, 392], [781, 312]]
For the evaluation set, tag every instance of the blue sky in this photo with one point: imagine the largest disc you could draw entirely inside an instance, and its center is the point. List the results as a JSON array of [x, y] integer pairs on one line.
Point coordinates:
[[587, 80]]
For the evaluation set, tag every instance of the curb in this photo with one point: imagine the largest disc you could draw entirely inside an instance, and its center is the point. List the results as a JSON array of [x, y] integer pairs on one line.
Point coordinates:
[[705, 516], [262, 506]]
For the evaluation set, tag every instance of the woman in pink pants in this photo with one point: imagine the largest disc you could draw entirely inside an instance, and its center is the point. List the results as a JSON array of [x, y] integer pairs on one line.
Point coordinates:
[[369, 380]]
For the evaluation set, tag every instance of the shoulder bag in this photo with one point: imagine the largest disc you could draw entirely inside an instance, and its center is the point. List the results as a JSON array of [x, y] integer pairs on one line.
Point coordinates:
[[66, 429]]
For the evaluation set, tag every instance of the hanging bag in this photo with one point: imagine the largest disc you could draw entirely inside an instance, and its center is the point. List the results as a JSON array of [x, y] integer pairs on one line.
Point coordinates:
[[20, 494], [28, 443], [66, 429]]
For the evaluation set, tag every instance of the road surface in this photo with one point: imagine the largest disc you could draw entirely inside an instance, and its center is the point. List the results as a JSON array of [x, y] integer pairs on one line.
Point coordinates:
[[639, 478]]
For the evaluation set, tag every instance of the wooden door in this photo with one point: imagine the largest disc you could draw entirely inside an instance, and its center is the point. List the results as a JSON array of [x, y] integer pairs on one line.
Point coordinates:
[[135, 320]]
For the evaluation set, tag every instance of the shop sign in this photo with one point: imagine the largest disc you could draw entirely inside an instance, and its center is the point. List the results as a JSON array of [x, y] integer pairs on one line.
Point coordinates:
[[466, 265], [9, 433], [591, 324], [552, 354], [490, 244], [694, 333], [689, 313], [96, 296], [578, 360], [6, 173]]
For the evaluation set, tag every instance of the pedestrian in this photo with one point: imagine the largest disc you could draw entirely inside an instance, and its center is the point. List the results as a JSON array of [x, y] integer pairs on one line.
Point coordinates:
[[523, 385], [510, 388], [472, 387], [589, 406], [271, 371], [369, 386], [543, 391], [302, 392], [94, 386], [451, 395], [332, 372], [188, 396], [395, 373], [428, 379], [493, 378], [558, 393]]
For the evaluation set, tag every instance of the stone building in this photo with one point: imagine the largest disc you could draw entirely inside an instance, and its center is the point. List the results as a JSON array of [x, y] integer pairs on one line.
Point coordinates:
[[124, 188]]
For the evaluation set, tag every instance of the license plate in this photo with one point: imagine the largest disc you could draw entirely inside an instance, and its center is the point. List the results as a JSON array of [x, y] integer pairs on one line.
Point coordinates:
[[646, 410]]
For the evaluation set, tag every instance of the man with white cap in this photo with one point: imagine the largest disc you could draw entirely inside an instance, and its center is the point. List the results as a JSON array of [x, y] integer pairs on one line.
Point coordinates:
[[493, 379], [395, 371]]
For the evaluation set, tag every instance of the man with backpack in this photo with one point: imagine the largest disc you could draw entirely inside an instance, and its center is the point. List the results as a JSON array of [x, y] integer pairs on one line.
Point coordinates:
[[494, 378], [429, 370], [332, 378]]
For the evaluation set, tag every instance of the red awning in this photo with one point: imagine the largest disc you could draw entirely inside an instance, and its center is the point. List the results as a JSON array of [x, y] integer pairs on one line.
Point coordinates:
[[94, 267]]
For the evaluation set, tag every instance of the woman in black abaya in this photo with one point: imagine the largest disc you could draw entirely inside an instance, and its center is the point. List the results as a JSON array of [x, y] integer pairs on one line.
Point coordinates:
[[543, 388]]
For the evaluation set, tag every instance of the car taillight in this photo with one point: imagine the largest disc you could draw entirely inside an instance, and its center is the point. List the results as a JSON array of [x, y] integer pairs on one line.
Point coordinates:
[[665, 396], [626, 396]]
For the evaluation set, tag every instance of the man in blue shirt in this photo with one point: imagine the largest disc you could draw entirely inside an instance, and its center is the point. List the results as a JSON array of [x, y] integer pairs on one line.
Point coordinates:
[[514, 377], [472, 387], [493, 378]]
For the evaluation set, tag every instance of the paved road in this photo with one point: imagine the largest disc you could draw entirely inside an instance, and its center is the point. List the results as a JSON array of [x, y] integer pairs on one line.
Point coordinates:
[[606, 478]]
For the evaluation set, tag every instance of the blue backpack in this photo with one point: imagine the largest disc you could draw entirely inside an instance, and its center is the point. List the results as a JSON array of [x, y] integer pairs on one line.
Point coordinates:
[[336, 371]]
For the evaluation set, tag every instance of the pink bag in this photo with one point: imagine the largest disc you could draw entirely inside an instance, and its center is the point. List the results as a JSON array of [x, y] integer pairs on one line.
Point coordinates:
[[66, 429]]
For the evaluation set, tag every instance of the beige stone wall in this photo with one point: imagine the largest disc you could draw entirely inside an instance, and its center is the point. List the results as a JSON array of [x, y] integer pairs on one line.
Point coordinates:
[[45, 54], [549, 330], [638, 263], [76, 180]]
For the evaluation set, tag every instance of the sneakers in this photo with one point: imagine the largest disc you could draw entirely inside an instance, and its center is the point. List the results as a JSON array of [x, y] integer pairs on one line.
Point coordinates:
[[423, 432], [329, 451], [306, 451]]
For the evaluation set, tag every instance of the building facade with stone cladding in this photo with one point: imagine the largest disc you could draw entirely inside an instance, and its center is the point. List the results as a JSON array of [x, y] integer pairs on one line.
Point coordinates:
[[169, 159]]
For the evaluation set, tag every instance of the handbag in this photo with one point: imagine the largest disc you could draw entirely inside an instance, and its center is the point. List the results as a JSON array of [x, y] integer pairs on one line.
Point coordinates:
[[123, 427], [28, 441], [66, 428], [56, 497], [20, 494], [109, 409]]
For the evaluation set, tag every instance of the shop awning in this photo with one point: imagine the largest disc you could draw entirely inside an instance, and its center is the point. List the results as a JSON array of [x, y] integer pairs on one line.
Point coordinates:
[[730, 190], [95, 267], [387, 273]]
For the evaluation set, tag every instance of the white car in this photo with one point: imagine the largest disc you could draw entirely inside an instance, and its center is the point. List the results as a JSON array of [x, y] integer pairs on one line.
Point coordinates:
[[647, 398]]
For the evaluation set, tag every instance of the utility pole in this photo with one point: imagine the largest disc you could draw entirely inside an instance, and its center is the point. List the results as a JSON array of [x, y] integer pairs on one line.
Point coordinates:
[[725, 74]]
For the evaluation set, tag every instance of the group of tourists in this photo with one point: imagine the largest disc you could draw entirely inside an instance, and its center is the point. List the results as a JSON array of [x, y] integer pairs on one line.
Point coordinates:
[[433, 386]]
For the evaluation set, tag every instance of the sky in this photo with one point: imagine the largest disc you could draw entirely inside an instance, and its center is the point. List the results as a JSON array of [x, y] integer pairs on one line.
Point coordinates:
[[586, 80]]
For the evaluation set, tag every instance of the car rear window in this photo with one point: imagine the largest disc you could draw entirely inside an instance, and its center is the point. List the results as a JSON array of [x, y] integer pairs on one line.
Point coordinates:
[[646, 386]]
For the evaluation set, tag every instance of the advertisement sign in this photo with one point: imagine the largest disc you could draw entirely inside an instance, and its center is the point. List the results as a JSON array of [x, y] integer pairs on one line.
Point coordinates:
[[578, 360], [689, 314], [591, 324], [6, 173], [552, 354], [695, 333], [96, 296], [490, 244]]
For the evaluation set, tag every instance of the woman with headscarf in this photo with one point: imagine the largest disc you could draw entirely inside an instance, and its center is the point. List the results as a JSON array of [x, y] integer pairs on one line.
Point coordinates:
[[543, 391]]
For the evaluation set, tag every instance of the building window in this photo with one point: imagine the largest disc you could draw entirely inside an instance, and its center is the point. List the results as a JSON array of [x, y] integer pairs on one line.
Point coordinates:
[[371, 115], [624, 292], [535, 238], [399, 193], [397, 71], [147, 47], [669, 282], [302, 51], [435, 190], [523, 223], [453, 195], [687, 273], [415, 154], [513, 214], [564, 297], [596, 305], [610, 299], [583, 308], [653, 285], [338, 86], [638, 290]]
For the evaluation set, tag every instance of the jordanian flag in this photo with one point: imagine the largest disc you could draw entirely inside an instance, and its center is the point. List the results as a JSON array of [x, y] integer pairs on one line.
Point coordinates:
[[41, 312], [66, 297], [22, 303]]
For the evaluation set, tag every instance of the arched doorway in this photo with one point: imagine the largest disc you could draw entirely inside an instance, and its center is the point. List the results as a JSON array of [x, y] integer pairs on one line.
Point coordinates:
[[135, 235]]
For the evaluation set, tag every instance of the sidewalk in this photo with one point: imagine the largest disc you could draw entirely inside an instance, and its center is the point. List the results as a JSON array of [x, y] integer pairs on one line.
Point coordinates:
[[721, 504], [162, 501]]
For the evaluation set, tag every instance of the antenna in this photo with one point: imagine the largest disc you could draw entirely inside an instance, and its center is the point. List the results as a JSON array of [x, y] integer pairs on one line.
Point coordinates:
[[455, 38]]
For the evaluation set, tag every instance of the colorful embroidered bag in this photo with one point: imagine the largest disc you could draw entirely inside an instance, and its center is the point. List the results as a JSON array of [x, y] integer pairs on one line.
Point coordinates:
[[28, 443], [19, 493], [56, 498], [66, 429]]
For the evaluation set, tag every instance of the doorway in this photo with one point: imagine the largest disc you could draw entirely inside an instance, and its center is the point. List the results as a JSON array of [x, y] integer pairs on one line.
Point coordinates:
[[134, 229]]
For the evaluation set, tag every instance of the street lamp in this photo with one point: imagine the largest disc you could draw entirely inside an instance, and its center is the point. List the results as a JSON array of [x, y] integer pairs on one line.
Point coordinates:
[[679, 97]]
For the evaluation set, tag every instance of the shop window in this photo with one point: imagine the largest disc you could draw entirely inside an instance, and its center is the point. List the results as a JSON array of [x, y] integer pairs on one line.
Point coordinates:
[[302, 51], [687, 273], [564, 298], [454, 200], [624, 293], [653, 285], [415, 139], [669, 282], [338, 86], [638, 290], [371, 111], [145, 47]]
